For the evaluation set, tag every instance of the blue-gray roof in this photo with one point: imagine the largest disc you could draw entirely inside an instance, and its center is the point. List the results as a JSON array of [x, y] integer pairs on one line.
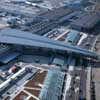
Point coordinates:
[[73, 36], [8, 57], [53, 84], [87, 20], [13, 36]]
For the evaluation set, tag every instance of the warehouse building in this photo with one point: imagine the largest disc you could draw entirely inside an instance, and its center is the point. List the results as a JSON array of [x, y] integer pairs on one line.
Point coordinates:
[[77, 4], [56, 13], [86, 22], [46, 21], [8, 56]]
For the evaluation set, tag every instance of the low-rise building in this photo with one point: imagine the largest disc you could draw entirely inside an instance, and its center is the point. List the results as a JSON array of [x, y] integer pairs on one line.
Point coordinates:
[[86, 22], [73, 37]]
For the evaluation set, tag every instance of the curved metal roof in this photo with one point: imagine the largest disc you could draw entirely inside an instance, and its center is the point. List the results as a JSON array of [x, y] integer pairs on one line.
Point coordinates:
[[13, 36]]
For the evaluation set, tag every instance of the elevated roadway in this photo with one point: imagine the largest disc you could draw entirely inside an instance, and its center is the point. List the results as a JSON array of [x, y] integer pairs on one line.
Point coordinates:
[[13, 36]]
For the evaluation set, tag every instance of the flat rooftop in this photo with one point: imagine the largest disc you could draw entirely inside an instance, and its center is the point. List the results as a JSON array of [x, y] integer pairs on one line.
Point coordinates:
[[56, 13], [87, 21]]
